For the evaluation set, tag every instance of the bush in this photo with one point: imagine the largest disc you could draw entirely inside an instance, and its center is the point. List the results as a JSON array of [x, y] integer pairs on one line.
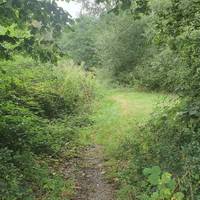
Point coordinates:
[[169, 139], [165, 71], [42, 107], [163, 184]]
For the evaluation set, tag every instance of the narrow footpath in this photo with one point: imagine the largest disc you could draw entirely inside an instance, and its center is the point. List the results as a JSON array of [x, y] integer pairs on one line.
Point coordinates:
[[116, 117], [92, 184]]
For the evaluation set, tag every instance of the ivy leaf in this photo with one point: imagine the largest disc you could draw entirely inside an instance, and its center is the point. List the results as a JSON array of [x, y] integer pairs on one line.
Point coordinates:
[[153, 174], [155, 196], [171, 184], [165, 193], [166, 177]]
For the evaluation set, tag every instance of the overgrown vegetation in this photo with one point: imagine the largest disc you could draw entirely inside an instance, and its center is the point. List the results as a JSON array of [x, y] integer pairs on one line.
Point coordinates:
[[42, 105], [42, 109], [148, 44], [79, 42], [154, 45]]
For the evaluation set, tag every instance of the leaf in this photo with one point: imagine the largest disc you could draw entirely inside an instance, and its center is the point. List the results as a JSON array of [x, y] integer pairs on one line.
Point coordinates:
[[147, 171], [165, 193], [156, 170], [155, 196], [154, 179], [178, 196], [172, 184]]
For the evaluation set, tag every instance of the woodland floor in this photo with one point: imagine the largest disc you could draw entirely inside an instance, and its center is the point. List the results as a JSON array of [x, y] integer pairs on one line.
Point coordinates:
[[116, 116]]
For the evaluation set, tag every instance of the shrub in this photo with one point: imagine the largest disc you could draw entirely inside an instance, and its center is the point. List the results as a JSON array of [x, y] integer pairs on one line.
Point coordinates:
[[41, 109], [163, 184], [169, 139], [165, 71]]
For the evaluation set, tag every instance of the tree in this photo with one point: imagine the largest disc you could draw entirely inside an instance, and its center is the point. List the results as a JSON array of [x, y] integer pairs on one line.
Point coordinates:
[[31, 26], [121, 44], [79, 43]]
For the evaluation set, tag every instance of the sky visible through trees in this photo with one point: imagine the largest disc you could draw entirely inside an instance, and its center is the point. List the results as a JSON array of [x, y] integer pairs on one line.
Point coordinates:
[[72, 7]]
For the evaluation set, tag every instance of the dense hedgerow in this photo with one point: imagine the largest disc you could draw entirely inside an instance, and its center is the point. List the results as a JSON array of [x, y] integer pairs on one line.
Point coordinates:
[[41, 110], [170, 139]]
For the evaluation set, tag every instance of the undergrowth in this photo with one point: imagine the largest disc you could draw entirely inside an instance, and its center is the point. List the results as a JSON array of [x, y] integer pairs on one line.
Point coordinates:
[[42, 108]]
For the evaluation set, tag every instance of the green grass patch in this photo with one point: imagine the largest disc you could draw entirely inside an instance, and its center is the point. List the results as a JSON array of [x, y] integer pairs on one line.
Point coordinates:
[[117, 113], [116, 117]]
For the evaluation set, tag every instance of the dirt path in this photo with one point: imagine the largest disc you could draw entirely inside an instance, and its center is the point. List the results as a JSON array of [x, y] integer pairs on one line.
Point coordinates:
[[115, 119], [91, 176], [117, 114], [91, 182]]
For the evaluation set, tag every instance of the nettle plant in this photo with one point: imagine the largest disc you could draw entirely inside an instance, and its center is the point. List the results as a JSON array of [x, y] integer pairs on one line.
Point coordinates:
[[162, 186]]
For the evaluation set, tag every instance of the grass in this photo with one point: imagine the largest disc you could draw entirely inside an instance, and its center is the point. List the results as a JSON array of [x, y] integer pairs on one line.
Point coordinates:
[[116, 118], [117, 113]]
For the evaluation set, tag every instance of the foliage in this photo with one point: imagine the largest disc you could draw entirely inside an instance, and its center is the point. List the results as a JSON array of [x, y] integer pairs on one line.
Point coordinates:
[[173, 32], [149, 44], [164, 71], [120, 44], [79, 43], [174, 128], [42, 108], [140, 6], [169, 139], [30, 26], [146, 46], [164, 183]]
